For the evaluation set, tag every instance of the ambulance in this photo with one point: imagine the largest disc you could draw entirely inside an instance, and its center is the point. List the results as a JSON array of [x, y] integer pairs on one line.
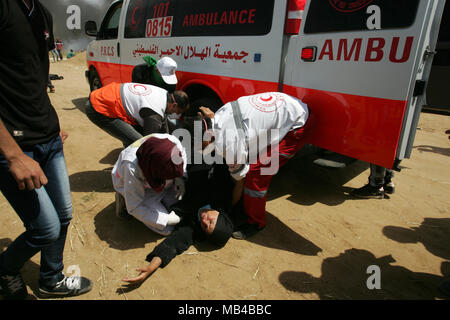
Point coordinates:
[[361, 66]]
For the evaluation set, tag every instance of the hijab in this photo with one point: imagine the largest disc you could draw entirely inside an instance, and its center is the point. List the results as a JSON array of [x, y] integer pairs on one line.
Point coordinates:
[[159, 160]]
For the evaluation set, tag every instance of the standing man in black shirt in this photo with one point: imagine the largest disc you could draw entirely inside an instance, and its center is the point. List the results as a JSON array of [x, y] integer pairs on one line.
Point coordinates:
[[33, 174]]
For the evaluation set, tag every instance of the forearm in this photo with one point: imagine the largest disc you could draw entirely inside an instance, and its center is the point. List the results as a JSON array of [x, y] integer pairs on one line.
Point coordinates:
[[27, 172], [152, 121], [8, 146], [152, 125], [154, 264], [178, 242]]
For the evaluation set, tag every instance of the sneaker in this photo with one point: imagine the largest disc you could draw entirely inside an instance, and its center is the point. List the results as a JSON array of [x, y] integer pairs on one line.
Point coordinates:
[[13, 287], [69, 286], [121, 209], [368, 192], [389, 187], [246, 231]]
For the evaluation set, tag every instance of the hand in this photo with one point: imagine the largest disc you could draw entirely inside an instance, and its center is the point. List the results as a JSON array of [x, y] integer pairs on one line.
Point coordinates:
[[206, 112], [145, 272], [180, 187], [27, 172], [64, 135]]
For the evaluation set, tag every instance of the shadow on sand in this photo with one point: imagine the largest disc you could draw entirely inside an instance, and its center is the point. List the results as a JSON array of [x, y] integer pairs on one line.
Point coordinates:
[[346, 277]]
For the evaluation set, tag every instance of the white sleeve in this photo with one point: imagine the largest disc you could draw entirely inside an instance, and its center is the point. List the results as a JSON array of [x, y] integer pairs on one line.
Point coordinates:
[[149, 211], [240, 172], [133, 188]]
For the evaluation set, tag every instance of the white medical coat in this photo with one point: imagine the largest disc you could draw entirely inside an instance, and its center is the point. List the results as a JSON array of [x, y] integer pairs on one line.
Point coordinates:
[[141, 201]]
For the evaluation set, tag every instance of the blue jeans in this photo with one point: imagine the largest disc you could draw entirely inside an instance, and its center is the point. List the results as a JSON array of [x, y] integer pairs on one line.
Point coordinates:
[[379, 175], [45, 212], [116, 127]]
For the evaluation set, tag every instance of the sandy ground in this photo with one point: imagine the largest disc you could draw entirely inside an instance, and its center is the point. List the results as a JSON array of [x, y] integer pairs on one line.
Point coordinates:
[[318, 243]]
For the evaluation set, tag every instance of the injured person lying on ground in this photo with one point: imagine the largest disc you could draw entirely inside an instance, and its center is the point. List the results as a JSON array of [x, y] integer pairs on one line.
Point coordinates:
[[205, 210]]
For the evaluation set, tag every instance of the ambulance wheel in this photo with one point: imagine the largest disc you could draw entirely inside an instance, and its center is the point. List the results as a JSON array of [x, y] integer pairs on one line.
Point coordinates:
[[94, 80], [212, 103]]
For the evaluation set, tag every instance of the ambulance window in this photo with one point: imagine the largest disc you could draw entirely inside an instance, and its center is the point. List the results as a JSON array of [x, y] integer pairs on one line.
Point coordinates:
[[110, 24], [351, 15], [193, 18]]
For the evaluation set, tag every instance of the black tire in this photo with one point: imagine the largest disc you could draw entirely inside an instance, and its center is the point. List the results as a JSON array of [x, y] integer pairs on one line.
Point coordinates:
[[212, 103], [94, 80]]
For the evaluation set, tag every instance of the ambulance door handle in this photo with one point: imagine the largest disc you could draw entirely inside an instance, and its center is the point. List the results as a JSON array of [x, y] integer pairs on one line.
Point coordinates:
[[118, 49], [428, 53], [419, 88]]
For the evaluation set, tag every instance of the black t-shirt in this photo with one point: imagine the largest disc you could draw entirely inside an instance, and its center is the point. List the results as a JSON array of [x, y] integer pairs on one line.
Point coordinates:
[[25, 39]]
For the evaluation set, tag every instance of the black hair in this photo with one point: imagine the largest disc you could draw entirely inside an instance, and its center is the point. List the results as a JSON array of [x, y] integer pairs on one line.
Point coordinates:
[[181, 98]]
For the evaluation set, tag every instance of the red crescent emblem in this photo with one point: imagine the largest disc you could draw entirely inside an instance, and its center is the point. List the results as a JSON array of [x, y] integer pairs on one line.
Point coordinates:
[[139, 86], [267, 103], [140, 89], [266, 100]]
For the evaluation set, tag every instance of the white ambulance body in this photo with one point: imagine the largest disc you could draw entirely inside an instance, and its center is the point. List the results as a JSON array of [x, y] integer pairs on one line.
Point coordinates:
[[360, 65]]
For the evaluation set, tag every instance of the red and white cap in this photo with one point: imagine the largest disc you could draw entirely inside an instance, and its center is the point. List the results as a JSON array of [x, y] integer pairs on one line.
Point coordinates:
[[167, 67]]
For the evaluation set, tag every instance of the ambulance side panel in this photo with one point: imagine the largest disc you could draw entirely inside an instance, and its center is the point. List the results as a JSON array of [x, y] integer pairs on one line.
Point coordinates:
[[103, 54], [360, 82]]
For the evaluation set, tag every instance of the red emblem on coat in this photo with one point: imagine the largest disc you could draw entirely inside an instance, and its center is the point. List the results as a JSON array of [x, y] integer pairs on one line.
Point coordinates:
[[267, 102]]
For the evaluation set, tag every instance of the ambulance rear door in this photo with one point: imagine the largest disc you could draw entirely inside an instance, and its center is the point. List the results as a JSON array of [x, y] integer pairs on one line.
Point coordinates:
[[362, 67]]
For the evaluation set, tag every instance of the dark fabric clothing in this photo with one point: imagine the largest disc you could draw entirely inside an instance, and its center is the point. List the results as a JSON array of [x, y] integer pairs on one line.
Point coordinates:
[[25, 40], [214, 187], [125, 132], [55, 77], [116, 127], [153, 122], [380, 176], [143, 73]]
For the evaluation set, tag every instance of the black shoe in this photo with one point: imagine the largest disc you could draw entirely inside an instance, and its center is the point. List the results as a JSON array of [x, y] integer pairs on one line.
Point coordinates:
[[13, 287], [389, 187], [69, 286], [368, 192], [246, 231]]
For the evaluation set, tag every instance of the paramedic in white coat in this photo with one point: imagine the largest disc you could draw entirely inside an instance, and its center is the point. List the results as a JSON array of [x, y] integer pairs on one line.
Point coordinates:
[[256, 135], [144, 175]]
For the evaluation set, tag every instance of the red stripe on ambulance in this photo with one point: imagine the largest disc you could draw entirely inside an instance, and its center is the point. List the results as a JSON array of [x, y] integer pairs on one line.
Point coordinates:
[[226, 88]]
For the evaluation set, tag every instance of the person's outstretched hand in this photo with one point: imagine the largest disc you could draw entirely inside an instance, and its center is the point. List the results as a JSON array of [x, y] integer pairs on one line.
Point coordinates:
[[145, 272]]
